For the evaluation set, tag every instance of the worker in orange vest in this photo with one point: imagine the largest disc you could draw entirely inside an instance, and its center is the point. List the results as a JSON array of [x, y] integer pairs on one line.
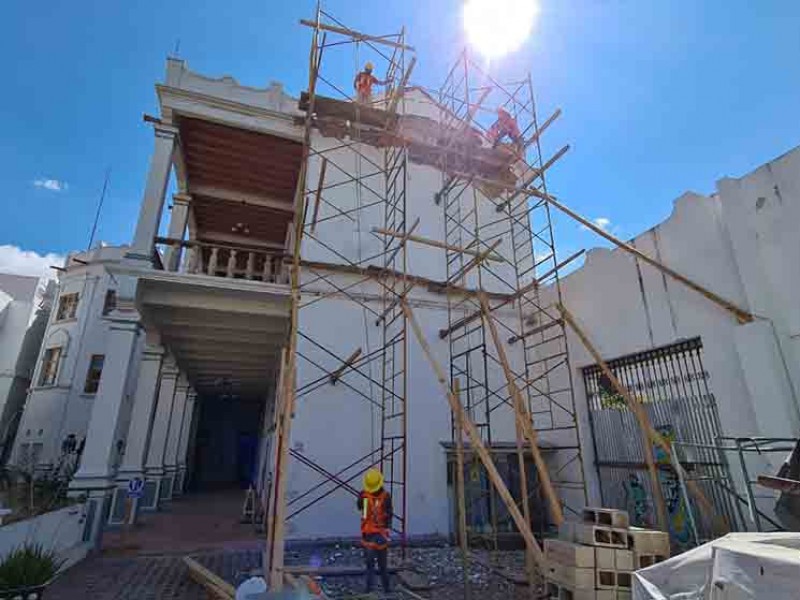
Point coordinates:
[[375, 505], [505, 125], [363, 84]]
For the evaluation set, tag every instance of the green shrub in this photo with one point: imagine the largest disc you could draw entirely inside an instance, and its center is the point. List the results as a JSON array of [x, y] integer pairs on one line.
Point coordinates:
[[28, 566]]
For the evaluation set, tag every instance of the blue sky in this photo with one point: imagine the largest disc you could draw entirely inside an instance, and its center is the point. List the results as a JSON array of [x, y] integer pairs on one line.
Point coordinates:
[[659, 97]]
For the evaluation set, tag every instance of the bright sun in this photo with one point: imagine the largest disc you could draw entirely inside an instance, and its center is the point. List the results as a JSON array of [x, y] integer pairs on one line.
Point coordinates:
[[497, 27]]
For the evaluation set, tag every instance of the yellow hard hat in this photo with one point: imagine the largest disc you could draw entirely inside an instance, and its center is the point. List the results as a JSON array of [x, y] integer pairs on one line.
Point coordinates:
[[369, 66], [373, 480]]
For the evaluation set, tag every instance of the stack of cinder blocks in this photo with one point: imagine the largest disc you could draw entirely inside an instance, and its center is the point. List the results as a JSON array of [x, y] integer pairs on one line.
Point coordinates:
[[594, 560]]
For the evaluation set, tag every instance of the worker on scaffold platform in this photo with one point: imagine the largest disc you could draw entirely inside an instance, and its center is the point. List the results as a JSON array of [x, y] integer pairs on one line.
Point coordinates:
[[363, 84], [505, 125]]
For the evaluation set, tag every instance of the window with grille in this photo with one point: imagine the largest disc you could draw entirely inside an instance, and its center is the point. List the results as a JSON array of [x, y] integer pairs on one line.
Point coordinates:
[[93, 374], [49, 372], [110, 303], [67, 307]]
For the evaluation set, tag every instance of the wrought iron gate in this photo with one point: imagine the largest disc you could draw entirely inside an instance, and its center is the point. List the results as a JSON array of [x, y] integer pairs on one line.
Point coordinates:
[[673, 386]]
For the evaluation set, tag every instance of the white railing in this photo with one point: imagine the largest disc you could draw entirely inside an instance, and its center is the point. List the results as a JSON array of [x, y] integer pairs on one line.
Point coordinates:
[[223, 260]]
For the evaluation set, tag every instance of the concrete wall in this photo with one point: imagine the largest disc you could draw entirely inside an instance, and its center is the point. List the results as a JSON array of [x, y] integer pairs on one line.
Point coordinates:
[[60, 531], [743, 244]]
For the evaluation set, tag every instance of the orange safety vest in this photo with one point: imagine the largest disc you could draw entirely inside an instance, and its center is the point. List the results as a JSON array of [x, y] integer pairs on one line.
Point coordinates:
[[374, 520], [364, 83], [505, 125]]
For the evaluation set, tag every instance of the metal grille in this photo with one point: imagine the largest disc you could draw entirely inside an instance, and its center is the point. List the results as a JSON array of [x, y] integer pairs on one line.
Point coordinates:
[[673, 386]]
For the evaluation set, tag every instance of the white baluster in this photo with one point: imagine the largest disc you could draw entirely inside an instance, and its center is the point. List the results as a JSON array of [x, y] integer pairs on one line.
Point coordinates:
[[266, 272], [251, 264], [192, 259], [212, 261], [231, 263]]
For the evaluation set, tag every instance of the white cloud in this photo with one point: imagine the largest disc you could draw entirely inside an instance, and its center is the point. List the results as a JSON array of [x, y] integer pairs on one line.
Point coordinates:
[[603, 223], [27, 262], [54, 185]]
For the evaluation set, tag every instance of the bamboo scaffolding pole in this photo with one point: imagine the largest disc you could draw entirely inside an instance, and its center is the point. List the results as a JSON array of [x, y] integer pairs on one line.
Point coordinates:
[[648, 432], [477, 444], [523, 418], [433, 243], [463, 542]]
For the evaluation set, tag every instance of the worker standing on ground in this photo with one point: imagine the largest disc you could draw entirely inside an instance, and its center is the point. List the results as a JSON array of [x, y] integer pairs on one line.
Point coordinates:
[[363, 84], [375, 505], [506, 125]]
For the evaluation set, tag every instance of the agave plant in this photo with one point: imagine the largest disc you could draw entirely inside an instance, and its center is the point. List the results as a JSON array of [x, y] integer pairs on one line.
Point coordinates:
[[28, 566]]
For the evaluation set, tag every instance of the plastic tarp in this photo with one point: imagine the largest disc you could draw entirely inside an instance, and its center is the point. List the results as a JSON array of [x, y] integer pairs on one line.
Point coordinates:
[[738, 566]]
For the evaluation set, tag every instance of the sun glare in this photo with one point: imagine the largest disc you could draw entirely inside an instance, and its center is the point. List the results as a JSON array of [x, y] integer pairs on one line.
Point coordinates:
[[497, 27]]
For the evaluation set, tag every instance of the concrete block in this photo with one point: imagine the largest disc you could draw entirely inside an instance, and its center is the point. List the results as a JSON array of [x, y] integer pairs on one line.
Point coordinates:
[[559, 591], [604, 559], [606, 580], [571, 577], [648, 541], [623, 595], [642, 561], [610, 517], [605, 594], [569, 553], [623, 560], [599, 535]]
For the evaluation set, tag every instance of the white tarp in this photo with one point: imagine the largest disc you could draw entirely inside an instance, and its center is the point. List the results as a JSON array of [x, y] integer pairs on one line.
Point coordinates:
[[739, 566]]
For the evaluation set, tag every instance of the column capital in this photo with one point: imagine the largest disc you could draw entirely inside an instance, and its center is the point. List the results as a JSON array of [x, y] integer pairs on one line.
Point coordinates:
[[169, 368], [125, 323], [165, 131], [182, 198], [153, 352]]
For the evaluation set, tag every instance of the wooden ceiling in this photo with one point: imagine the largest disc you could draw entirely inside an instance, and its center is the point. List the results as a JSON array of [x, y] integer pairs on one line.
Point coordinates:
[[255, 175]]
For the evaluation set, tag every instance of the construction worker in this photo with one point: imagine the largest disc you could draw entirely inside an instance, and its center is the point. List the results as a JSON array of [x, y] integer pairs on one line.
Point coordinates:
[[505, 125], [363, 84], [375, 505]]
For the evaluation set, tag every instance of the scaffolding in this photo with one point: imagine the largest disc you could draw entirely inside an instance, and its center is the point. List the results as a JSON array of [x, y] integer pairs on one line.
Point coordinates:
[[486, 209], [373, 182]]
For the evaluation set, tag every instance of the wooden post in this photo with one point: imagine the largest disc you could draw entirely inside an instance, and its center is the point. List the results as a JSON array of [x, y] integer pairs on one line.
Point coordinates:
[[461, 503], [348, 362], [477, 444], [433, 243], [522, 416], [318, 194], [648, 432]]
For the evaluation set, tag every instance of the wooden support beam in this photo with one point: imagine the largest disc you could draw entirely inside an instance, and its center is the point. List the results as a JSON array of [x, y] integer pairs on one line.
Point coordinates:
[[318, 194], [348, 362], [400, 90], [358, 37], [540, 329], [463, 541], [741, 315], [478, 445], [215, 585], [395, 302], [523, 418], [474, 262], [403, 241], [433, 243], [537, 134], [535, 172], [648, 432]]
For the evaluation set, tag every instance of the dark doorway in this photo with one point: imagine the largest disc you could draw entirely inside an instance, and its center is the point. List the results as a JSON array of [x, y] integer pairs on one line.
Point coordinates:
[[227, 443]]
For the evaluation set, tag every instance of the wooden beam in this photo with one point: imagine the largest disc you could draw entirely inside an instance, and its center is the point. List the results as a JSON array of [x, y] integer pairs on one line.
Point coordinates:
[[478, 445], [318, 194], [433, 243], [335, 375], [357, 36], [523, 418], [741, 315], [400, 90], [476, 260], [240, 197], [648, 432], [215, 585], [463, 541]]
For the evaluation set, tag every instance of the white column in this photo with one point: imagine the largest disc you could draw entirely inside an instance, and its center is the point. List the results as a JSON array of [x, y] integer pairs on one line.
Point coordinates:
[[154, 191], [142, 413], [154, 466], [174, 435], [178, 219], [183, 444], [108, 408]]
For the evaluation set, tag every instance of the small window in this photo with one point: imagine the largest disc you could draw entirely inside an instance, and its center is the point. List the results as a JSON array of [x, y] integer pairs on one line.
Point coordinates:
[[52, 356], [67, 307], [110, 303], [93, 374]]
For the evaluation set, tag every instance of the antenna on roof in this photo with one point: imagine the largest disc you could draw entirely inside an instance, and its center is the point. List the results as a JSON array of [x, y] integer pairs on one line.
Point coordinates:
[[177, 49], [99, 208]]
